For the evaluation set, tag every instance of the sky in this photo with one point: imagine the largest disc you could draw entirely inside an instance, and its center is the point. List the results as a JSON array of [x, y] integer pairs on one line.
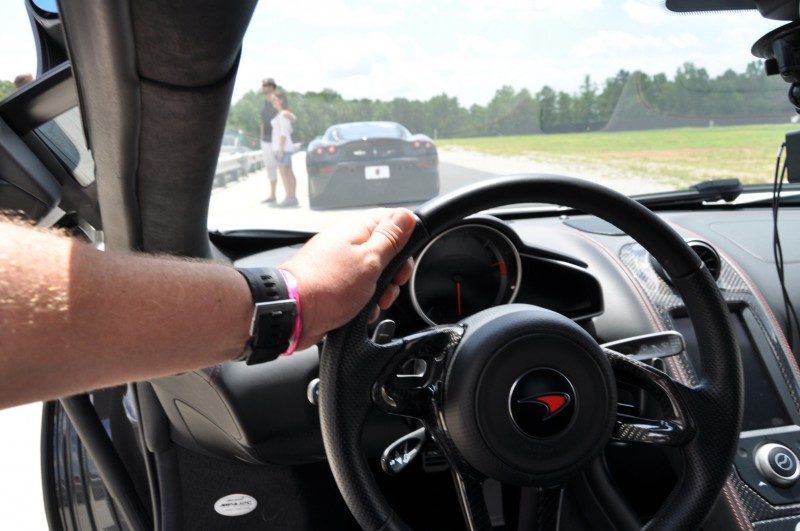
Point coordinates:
[[416, 49]]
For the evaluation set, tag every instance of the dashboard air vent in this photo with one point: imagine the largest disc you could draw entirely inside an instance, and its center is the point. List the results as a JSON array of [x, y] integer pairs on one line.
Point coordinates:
[[706, 253]]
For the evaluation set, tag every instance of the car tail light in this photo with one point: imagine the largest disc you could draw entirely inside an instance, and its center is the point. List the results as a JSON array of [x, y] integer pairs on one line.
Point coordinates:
[[319, 151], [428, 145], [417, 144], [331, 149]]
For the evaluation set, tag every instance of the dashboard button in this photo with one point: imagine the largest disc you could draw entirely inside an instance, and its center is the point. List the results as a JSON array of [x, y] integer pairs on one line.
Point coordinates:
[[778, 464], [782, 461]]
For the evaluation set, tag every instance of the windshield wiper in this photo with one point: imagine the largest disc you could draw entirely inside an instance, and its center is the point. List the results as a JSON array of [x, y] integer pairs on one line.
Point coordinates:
[[703, 192]]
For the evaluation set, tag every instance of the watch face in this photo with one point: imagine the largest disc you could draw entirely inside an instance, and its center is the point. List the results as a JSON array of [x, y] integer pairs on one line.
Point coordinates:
[[273, 330], [275, 325]]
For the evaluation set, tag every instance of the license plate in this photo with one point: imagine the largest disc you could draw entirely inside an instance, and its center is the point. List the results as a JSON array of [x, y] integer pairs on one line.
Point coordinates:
[[376, 172]]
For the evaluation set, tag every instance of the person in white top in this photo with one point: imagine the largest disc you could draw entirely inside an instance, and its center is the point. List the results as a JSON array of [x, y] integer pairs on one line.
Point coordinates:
[[283, 147]]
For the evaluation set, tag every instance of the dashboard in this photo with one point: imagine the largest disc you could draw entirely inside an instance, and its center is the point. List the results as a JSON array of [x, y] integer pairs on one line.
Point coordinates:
[[483, 263], [576, 265]]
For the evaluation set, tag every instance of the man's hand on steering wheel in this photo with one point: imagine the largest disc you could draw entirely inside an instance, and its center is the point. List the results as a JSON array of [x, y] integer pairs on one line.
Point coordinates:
[[336, 289]]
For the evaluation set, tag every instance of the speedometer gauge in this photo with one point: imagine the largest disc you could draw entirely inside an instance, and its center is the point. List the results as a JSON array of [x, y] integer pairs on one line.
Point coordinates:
[[462, 271]]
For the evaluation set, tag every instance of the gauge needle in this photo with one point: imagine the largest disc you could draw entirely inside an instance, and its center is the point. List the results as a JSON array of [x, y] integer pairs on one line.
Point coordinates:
[[458, 298], [501, 265]]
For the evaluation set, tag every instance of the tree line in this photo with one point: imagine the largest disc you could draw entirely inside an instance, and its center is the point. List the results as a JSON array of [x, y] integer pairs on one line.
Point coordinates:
[[690, 92]]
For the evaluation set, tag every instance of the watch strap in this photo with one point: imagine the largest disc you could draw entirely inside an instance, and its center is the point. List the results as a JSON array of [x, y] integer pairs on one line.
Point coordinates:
[[274, 315]]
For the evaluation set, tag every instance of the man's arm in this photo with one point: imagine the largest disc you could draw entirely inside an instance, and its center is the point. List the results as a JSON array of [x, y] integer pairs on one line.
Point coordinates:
[[74, 319], [261, 126]]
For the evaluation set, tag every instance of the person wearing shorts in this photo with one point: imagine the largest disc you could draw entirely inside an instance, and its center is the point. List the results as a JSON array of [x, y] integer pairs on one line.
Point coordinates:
[[267, 113], [283, 147]]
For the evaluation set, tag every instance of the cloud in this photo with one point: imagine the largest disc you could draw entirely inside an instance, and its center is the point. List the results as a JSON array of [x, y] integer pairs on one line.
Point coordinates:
[[525, 10], [622, 42], [645, 13], [337, 14], [360, 67], [469, 48]]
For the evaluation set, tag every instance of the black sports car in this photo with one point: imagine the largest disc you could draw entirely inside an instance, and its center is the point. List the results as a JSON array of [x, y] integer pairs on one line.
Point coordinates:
[[367, 163]]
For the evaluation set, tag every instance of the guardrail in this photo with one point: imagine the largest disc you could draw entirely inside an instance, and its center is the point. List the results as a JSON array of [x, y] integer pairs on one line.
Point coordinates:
[[233, 166]]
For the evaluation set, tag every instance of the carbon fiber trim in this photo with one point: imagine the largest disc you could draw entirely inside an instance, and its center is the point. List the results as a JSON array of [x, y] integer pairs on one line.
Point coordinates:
[[736, 288], [778, 524], [676, 429]]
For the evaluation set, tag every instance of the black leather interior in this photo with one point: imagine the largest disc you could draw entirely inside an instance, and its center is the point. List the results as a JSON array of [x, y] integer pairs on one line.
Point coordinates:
[[37, 188]]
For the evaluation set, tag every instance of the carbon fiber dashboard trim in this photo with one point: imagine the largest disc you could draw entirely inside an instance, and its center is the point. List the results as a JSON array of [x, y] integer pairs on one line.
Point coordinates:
[[736, 289]]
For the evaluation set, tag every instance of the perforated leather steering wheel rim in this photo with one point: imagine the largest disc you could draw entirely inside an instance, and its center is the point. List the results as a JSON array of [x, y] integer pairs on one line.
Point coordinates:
[[348, 369]]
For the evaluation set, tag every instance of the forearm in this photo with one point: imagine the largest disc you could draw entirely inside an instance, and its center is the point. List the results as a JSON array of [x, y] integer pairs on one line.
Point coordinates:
[[74, 319], [282, 142]]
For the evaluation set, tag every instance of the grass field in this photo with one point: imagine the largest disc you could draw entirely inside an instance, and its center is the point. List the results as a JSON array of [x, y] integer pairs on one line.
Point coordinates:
[[673, 157]]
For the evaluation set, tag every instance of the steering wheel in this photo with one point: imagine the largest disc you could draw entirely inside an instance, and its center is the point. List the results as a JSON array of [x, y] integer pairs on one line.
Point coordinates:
[[485, 379]]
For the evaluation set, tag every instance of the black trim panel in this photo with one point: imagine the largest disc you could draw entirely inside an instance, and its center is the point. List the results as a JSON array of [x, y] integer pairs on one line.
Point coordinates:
[[50, 95]]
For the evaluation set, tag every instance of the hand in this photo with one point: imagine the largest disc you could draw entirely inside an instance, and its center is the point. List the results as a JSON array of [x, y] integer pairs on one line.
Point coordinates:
[[279, 154], [337, 270]]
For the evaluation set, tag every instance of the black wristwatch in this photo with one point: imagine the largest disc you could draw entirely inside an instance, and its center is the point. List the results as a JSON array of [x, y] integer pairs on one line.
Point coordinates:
[[275, 315]]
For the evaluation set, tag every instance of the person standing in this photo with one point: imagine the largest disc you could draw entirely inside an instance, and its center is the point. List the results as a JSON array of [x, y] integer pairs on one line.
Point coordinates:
[[267, 113], [283, 146]]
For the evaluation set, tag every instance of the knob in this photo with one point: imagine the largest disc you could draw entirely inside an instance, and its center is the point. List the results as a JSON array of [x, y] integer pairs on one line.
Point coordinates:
[[777, 464], [312, 392], [401, 452]]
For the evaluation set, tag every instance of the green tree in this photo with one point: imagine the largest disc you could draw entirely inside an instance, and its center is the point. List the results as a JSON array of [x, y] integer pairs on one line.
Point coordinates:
[[612, 90], [548, 107], [6, 88], [245, 114], [641, 99], [586, 106]]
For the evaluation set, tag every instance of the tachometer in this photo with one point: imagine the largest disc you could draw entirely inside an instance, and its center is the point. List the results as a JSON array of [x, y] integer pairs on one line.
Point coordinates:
[[462, 271]]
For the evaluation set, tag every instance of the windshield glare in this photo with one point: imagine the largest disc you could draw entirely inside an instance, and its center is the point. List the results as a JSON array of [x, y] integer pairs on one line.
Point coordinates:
[[355, 104]]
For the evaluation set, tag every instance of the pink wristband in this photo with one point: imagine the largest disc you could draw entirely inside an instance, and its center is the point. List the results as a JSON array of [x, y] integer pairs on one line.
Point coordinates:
[[294, 293]]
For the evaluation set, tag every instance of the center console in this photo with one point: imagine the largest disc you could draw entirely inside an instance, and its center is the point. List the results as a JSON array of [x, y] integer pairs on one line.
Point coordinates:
[[764, 485], [766, 459]]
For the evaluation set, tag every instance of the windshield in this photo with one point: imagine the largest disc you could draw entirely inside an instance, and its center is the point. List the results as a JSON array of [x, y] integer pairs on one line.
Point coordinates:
[[354, 104], [18, 66]]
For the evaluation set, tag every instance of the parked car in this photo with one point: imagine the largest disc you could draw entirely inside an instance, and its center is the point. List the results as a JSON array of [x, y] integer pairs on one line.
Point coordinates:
[[368, 163]]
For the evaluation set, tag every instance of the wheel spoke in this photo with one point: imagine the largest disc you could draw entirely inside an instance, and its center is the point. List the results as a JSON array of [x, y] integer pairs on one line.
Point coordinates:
[[410, 382], [410, 385], [540, 508], [676, 428], [469, 488]]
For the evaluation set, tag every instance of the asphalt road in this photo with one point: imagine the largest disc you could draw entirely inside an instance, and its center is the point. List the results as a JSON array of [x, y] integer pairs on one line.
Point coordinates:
[[239, 205], [453, 177]]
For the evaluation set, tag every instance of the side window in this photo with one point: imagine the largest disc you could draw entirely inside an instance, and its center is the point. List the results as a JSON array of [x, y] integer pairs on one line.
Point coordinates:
[[64, 136], [18, 55]]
